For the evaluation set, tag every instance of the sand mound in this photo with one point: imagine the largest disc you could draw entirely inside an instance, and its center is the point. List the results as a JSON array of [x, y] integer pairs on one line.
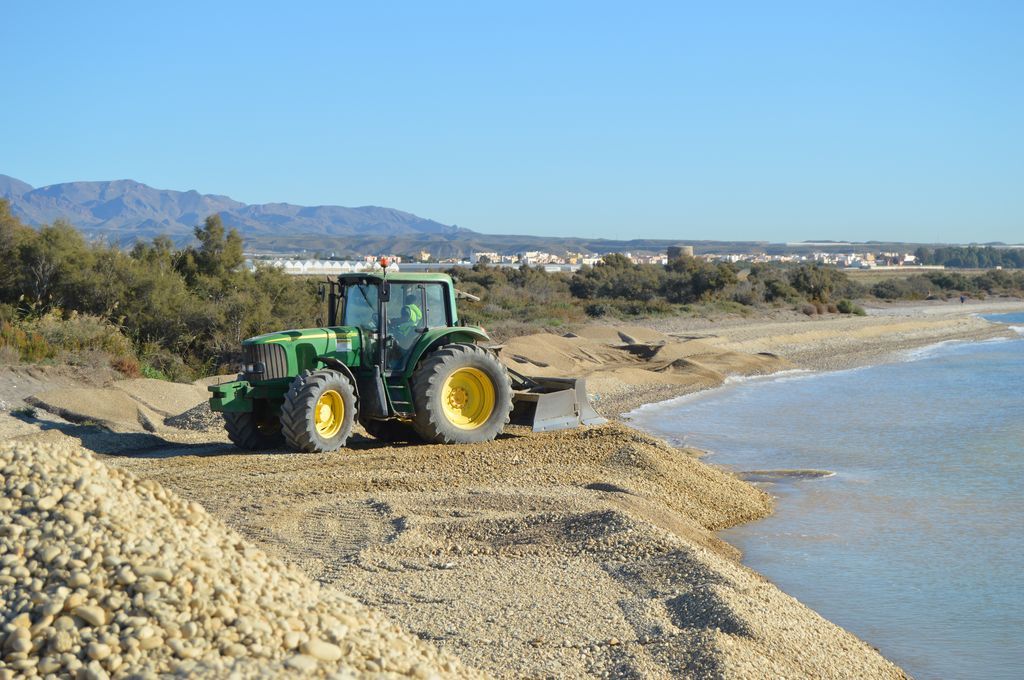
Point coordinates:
[[618, 360], [621, 334], [135, 405], [110, 408], [104, 574]]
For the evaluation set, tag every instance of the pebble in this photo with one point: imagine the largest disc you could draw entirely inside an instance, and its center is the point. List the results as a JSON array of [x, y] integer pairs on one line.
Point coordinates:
[[155, 573], [78, 579], [48, 502], [319, 649], [301, 663], [49, 553], [98, 651], [94, 616]]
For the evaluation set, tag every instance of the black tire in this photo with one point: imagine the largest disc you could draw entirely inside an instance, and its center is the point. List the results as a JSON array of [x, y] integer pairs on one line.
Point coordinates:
[[390, 430], [431, 421], [299, 411], [253, 431]]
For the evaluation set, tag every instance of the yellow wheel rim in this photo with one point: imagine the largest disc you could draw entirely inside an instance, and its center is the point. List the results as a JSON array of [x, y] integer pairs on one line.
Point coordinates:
[[467, 398], [329, 414]]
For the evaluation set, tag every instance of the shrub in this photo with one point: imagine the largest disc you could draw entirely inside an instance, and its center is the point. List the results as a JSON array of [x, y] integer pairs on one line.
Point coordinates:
[[154, 373], [126, 366], [31, 346], [809, 309], [159, 364], [80, 333], [596, 310], [848, 307]]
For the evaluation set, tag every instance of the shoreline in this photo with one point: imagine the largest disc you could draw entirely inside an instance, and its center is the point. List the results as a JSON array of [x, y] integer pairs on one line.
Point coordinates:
[[821, 349]]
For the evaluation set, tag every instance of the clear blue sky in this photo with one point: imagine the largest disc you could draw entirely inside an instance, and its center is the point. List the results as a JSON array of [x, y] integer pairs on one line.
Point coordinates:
[[731, 120]]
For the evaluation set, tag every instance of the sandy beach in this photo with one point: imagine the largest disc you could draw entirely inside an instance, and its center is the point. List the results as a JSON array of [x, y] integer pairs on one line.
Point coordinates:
[[572, 554], [826, 343]]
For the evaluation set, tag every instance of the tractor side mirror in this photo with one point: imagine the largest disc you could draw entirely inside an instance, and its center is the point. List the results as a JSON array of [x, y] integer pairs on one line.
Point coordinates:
[[321, 292]]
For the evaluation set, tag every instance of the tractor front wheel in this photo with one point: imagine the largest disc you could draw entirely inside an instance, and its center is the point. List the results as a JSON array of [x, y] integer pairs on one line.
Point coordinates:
[[253, 431], [462, 394], [318, 411]]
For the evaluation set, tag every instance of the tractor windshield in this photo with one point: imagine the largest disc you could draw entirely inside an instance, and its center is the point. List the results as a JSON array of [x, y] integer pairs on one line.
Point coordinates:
[[361, 307]]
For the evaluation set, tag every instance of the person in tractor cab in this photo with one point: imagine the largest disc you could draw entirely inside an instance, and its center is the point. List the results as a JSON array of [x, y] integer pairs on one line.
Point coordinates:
[[411, 309], [404, 328]]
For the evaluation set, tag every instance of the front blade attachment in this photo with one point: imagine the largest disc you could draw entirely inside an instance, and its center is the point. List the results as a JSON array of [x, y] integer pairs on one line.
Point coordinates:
[[547, 404]]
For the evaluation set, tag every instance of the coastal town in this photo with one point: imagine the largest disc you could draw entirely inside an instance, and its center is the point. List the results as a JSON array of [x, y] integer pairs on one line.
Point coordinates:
[[573, 261]]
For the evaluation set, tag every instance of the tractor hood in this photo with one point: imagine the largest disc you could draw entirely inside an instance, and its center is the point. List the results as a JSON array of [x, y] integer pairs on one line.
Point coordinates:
[[323, 338], [288, 353]]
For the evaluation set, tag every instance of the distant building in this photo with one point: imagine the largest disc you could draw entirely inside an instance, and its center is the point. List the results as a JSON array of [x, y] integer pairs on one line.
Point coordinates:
[[475, 258], [675, 252]]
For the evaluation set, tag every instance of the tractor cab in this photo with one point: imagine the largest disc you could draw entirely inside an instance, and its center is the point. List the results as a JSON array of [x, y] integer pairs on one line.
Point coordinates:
[[392, 314]]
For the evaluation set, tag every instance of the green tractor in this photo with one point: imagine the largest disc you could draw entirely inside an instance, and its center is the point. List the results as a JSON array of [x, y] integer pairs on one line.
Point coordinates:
[[394, 357]]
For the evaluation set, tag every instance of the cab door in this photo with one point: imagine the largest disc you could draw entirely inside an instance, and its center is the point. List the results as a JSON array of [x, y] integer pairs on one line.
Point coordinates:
[[412, 310]]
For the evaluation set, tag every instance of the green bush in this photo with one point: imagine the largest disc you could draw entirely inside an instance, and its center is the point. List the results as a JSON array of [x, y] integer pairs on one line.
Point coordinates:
[[848, 307], [154, 373], [30, 345], [81, 333]]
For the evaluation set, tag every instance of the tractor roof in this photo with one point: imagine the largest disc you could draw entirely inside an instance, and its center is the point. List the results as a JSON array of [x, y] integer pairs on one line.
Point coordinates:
[[396, 276]]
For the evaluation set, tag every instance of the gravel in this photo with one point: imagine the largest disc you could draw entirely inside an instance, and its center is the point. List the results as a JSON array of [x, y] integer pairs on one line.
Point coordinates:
[[583, 553], [103, 574], [199, 418]]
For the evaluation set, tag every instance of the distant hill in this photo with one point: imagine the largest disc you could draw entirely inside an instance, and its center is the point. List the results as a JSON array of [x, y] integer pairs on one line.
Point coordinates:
[[127, 210]]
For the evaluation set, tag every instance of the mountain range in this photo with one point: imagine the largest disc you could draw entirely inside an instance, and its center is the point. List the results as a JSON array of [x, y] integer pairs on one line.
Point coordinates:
[[124, 211]]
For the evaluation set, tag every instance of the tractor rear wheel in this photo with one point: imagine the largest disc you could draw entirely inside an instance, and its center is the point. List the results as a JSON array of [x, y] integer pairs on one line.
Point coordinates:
[[318, 411], [253, 431], [390, 430], [462, 395]]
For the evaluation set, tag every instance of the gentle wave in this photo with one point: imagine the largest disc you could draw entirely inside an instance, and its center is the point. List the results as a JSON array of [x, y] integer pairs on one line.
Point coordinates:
[[929, 351], [730, 381]]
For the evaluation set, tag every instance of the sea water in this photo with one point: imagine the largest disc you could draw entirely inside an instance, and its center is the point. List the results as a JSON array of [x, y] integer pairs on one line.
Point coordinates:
[[916, 542]]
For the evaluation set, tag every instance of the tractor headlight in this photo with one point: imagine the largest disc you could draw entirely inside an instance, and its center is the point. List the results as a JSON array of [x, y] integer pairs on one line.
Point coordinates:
[[253, 368]]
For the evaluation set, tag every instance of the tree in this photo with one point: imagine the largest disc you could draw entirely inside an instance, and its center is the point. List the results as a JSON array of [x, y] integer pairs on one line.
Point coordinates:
[[12, 234], [218, 254], [51, 261], [816, 282], [691, 279]]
